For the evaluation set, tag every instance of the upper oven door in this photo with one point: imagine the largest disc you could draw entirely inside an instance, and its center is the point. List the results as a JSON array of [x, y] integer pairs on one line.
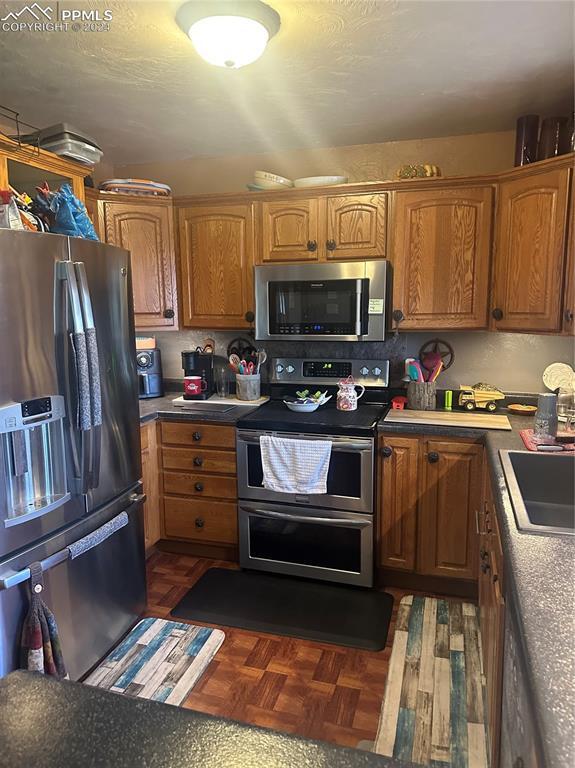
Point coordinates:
[[349, 479], [342, 301]]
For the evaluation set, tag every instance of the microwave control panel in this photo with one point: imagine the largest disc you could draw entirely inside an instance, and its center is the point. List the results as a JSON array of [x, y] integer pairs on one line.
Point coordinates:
[[298, 370]]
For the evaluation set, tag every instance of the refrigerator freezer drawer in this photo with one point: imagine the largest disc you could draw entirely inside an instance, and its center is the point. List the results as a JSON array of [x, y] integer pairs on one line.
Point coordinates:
[[95, 598]]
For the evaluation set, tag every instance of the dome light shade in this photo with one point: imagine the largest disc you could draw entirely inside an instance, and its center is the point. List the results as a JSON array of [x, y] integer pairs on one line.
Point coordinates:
[[227, 33]]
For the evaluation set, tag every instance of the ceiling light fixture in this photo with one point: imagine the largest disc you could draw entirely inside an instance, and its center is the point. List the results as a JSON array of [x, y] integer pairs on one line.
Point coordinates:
[[228, 33]]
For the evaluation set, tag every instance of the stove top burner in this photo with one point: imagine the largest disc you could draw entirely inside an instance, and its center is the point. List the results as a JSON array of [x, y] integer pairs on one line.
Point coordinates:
[[327, 420]]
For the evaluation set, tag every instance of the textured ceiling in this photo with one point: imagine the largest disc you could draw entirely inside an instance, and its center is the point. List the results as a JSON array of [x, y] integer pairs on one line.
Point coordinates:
[[338, 72]]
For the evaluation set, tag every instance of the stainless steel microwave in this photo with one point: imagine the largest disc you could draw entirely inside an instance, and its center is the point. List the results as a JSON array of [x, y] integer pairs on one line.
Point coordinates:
[[343, 301]]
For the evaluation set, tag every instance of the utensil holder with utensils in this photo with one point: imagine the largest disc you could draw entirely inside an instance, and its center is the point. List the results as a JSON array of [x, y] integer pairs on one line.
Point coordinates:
[[421, 395], [248, 386]]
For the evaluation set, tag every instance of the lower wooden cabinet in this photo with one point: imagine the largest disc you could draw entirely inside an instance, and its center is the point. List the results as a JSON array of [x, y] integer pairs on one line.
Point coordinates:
[[430, 490], [199, 487], [492, 620], [150, 479]]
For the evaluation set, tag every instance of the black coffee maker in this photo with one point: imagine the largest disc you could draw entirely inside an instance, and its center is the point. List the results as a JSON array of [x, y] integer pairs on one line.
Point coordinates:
[[198, 363]]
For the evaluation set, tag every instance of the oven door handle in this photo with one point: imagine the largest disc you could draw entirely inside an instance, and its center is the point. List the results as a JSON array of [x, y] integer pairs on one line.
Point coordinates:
[[303, 519], [335, 445]]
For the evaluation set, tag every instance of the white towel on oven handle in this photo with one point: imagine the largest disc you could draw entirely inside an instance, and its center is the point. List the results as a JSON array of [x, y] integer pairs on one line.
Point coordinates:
[[295, 466]]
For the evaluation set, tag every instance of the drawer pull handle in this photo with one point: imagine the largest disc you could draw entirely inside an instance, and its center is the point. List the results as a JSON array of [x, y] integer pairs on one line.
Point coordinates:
[[199, 522], [198, 461], [199, 487], [197, 435]]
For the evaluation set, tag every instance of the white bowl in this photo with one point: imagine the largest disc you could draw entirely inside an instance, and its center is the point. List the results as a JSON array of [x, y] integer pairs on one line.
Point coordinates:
[[265, 184], [260, 176], [320, 181], [302, 407]]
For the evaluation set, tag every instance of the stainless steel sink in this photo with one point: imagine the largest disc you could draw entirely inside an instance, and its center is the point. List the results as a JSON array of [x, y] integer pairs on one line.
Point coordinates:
[[542, 490]]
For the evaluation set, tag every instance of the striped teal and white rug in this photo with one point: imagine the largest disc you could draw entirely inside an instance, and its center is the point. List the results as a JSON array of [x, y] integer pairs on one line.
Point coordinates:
[[432, 712], [159, 659]]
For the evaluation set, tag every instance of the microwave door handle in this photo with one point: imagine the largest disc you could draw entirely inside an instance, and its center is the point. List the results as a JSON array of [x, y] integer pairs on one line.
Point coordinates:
[[362, 307], [303, 519]]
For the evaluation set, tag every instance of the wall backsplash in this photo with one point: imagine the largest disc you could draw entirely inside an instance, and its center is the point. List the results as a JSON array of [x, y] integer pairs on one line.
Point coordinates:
[[513, 362]]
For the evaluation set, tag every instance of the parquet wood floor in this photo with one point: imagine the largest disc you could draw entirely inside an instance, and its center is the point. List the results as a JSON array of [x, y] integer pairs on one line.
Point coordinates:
[[310, 689]]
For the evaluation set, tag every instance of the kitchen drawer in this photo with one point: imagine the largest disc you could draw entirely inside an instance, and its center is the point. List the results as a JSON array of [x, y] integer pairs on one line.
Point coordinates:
[[200, 484], [194, 434], [199, 460], [201, 520]]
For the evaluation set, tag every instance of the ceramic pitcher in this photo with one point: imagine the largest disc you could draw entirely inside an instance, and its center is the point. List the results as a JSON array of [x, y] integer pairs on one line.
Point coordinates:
[[347, 396]]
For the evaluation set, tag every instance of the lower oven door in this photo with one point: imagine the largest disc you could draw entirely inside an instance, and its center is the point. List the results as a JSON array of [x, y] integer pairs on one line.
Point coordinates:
[[314, 543], [349, 478]]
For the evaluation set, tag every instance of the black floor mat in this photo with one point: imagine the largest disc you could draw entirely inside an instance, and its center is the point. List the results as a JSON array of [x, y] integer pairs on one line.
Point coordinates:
[[281, 605]]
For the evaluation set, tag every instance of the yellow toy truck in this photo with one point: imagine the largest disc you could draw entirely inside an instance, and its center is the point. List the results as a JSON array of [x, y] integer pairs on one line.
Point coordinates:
[[479, 396]]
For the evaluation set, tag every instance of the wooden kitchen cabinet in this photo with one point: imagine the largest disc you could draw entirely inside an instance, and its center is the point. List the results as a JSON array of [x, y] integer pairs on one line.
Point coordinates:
[[216, 245], [289, 230], [398, 483], [199, 487], [441, 252], [429, 491], [145, 229], [451, 492], [356, 226], [93, 211], [530, 251], [569, 300], [492, 620], [150, 478]]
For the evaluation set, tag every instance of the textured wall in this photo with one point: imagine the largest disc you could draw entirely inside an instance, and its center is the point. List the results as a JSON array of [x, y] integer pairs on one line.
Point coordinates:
[[512, 361], [455, 155]]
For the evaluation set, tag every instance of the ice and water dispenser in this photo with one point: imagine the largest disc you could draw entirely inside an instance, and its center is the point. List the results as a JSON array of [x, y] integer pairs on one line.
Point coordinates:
[[32, 459]]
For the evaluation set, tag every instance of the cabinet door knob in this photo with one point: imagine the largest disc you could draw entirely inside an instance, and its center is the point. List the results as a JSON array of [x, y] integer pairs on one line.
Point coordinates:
[[198, 461], [169, 313], [497, 314], [483, 553], [249, 316], [386, 451], [199, 522], [433, 457], [397, 316], [199, 487], [569, 315], [197, 435], [485, 567], [312, 245], [331, 245]]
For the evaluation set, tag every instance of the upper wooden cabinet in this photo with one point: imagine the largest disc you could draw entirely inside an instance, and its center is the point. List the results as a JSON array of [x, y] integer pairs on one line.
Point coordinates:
[[216, 262], [569, 300], [441, 248], [146, 230], [323, 228], [289, 230], [356, 226], [530, 251]]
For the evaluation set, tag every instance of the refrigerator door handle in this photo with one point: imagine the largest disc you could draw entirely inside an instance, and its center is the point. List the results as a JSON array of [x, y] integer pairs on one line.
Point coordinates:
[[13, 578], [94, 373]]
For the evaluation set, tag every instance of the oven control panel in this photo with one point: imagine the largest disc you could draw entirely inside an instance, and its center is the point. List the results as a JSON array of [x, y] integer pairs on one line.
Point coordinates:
[[297, 370]]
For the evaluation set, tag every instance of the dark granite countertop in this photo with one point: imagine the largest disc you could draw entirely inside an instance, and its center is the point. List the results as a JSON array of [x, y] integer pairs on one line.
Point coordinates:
[[539, 588], [49, 724], [162, 407]]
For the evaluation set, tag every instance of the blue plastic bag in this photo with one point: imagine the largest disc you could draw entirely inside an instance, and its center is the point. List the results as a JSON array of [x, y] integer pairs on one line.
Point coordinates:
[[70, 215]]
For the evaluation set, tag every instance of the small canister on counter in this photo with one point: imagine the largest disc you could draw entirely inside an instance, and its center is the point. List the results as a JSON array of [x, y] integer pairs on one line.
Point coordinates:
[[545, 424], [421, 395], [248, 386]]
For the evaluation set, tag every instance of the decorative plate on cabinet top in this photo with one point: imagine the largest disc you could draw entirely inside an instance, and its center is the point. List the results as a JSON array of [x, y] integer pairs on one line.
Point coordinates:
[[320, 181], [559, 376]]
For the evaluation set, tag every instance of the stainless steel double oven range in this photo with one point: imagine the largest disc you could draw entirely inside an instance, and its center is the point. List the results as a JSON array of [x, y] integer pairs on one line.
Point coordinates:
[[326, 536]]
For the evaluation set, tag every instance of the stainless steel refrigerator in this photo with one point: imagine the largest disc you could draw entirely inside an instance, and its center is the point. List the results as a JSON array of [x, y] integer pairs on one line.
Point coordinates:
[[69, 443]]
